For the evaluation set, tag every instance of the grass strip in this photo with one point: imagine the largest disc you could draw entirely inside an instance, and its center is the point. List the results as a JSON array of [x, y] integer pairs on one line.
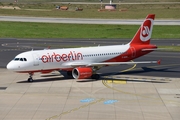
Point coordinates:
[[54, 30], [93, 13], [123, 11]]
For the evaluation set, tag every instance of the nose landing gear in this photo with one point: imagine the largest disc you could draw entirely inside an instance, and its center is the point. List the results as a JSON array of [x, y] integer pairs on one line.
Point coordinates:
[[30, 79]]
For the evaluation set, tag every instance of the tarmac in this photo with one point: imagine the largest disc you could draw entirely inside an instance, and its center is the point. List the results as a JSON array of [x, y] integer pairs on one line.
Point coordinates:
[[115, 97], [141, 92]]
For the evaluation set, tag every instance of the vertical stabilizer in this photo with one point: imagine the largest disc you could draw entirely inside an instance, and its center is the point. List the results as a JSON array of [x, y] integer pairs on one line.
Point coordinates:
[[143, 35]]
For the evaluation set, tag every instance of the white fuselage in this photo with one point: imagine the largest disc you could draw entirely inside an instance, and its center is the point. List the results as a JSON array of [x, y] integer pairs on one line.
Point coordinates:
[[63, 58]]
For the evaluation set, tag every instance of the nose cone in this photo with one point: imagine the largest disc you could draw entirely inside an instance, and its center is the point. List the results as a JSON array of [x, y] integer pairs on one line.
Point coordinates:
[[10, 66]]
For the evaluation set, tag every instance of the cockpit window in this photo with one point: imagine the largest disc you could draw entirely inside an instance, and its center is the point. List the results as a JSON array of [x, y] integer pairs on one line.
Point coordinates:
[[16, 59], [20, 59]]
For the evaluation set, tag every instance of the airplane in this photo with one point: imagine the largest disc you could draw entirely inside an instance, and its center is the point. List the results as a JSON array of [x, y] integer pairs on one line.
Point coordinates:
[[82, 63]]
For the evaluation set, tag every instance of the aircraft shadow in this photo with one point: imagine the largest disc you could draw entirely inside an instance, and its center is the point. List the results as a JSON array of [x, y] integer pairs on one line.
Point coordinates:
[[88, 80], [135, 81], [143, 70], [45, 79], [53, 75]]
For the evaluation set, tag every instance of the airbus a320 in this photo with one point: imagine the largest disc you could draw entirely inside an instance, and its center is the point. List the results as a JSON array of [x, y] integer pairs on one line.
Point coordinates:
[[82, 63]]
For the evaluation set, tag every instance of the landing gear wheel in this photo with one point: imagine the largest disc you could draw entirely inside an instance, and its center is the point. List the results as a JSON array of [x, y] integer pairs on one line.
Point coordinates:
[[95, 76], [30, 79]]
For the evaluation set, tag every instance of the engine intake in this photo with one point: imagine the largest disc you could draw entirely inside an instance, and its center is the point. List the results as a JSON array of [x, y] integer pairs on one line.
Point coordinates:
[[82, 72]]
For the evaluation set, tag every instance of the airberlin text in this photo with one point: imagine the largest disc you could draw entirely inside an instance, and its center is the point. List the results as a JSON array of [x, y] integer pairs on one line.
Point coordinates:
[[55, 57]]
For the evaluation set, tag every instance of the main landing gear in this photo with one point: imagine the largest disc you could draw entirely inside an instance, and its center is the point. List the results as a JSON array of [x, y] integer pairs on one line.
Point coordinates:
[[30, 79]]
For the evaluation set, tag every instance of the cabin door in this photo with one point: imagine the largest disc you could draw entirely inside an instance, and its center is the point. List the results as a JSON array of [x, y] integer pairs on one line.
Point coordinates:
[[36, 59]]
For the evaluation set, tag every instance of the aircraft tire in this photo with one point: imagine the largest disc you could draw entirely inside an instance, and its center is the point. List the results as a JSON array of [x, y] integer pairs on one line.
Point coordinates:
[[30, 80]]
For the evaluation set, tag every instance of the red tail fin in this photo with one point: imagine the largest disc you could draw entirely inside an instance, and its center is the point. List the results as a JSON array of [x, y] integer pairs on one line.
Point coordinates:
[[143, 35]]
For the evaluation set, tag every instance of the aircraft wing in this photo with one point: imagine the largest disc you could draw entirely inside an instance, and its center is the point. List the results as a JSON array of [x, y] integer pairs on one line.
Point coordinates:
[[111, 63], [121, 63]]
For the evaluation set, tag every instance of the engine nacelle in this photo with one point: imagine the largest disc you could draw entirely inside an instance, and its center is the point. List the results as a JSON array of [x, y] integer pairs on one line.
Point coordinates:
[[82, 72]]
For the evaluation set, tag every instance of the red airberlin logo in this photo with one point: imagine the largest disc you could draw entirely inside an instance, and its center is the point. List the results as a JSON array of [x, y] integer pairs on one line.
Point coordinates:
[[146, 30], [55, 57]]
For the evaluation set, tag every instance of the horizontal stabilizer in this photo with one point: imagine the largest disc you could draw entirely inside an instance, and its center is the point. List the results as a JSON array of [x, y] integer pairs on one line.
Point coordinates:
[[149, 49]]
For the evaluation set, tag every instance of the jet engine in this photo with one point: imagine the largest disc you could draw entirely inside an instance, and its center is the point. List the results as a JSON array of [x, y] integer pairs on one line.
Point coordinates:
[[82, 72]]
